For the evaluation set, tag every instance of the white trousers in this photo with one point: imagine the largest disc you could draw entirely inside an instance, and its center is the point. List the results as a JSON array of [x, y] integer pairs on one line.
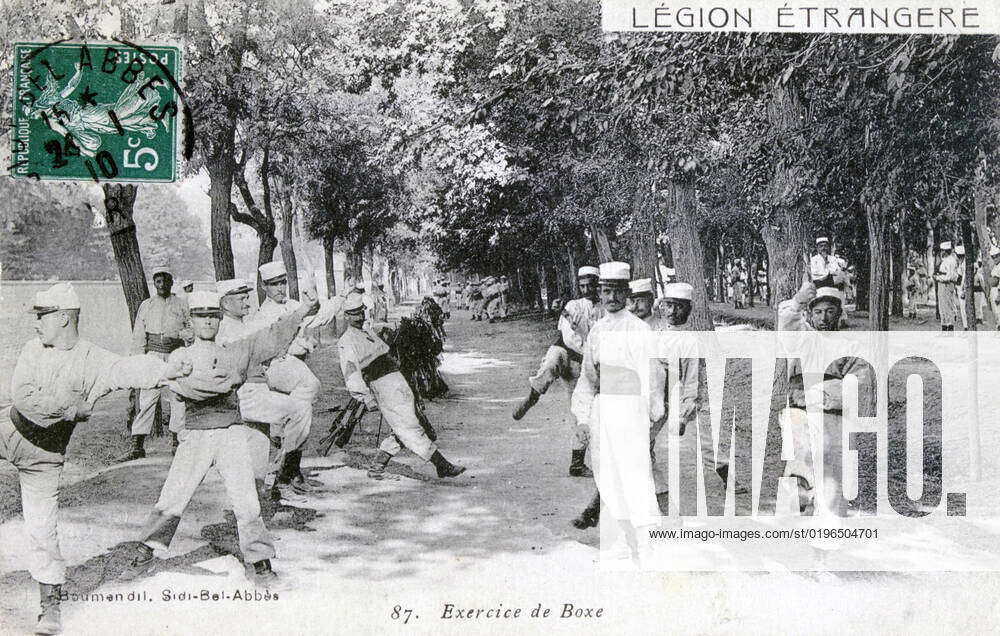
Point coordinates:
[[396, 402], [556, 365]]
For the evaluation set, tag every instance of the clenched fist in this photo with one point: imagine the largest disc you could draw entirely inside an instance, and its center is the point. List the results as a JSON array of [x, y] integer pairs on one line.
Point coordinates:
[[177, 367], [806, 293]]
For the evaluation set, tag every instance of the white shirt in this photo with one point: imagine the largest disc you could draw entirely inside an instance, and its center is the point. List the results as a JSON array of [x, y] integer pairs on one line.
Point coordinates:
[[576, 320], [358, 348]]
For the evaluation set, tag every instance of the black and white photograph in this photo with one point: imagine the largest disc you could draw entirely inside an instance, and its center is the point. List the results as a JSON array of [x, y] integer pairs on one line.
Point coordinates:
[[499, 316]]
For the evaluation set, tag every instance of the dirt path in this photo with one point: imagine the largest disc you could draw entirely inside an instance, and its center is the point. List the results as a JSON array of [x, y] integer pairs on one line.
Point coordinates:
[[497, 535]]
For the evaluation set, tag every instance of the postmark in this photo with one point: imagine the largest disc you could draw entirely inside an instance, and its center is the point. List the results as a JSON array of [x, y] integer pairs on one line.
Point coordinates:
[[96, 111]]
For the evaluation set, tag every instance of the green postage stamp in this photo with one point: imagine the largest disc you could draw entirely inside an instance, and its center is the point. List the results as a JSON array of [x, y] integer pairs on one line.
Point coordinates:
[[99, 111]]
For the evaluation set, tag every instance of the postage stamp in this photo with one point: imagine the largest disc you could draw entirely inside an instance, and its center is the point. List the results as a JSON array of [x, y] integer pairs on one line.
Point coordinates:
[[98, 111]]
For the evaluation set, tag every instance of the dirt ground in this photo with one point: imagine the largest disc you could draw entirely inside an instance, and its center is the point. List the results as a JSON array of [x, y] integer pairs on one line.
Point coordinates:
[[499, 534]]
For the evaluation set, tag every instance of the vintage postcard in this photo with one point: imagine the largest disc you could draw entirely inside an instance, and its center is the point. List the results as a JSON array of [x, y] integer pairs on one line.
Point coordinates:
[[499, 316]]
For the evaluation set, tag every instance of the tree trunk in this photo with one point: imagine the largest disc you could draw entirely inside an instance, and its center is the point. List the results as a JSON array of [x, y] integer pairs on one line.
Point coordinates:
[[878, 222], [968, 277], [287, 248], [220, 172], [785, 239], [331, 277], [119, 204], [642, 238], [898, 270], [601, 244], [982, 233], [571, 262], [689, 260]]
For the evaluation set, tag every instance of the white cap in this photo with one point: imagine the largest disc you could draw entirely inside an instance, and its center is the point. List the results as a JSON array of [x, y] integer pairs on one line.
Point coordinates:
[[615, 271], [162, 268], [354, 304], [588, 270], [641, 286], [995, 251], [59, 296], [489, 280], [822, 239], [271, 271], [826, 293], [204, 303], [232, 286], [678, 291], [946, 245], [960, 250]]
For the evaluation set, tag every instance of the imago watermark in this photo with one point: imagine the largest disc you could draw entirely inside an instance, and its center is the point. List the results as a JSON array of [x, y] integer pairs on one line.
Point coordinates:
[[98, 111], [799, 450]]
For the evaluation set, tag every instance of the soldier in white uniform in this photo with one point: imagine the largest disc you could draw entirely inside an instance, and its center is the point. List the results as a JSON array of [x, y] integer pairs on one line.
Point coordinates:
[[611, 398], [562, 361], [213, 432], [57, 379], [263, 409], [476, 301], [497, 307], [825, 268], [947, 277], [372, 376], [288, 374], [161, 325]]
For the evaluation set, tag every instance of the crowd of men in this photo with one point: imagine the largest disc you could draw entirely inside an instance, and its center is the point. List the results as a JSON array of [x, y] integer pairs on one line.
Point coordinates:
[[240, 399], [611, 303]]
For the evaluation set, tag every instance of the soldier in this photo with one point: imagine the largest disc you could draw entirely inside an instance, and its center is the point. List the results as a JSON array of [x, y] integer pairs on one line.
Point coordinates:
[[57, 379], [562, 361], [265, 411], [380, 312], [913, 284], [441, 296], [813, 309], [947, 277], [623, 473], [372, 376], [162, 324], [497, 303], [214, 435], [824, 267], [467, 295], [674, 310], [288, 374], [476, 298]]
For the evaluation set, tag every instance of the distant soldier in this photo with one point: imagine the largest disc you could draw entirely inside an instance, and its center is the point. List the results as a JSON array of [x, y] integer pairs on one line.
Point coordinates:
[[162, 324], [562, 361], [214, 433], [913, 285], [496, 301], [467, 295], [57, 379], [372, 376], [380, 312], [288, 373], [479, 310], [823, 266], [476, 301], [948, 276], [442, 297]]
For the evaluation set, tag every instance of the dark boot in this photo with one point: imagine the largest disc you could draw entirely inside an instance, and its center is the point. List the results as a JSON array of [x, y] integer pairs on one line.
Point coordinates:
[[377, 469], [139, 560], [136, 451], [526, 404], [174, 443], [444, 467], [590, 515], [49, 621], [288, 472], [577, 468], [263, 575]]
